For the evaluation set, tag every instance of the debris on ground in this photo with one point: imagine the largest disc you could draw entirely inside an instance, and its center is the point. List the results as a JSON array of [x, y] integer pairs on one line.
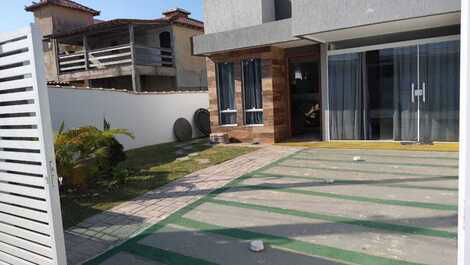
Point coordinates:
[[257, 246], [203, 161], [330, 181], [358, 159]]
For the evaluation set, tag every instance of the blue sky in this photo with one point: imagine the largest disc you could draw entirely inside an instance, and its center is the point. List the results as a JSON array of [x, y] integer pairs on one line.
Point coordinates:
[[14, 16]]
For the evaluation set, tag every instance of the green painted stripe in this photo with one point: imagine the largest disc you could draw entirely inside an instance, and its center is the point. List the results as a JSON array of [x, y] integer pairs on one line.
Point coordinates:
[[403, 186], [165, 256], [413, 204], [376, 155], [155, 228], [372, 162], [379, 183], [341, 220], [293, 245], [354, 170]]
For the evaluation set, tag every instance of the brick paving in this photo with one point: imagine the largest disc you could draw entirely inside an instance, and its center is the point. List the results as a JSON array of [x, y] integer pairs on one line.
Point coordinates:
[[106, 230]]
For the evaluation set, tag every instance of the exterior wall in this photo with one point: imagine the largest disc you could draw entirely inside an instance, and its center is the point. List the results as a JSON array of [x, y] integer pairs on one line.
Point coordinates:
[[149, 116], [191, 73], [152, 83], [276, 121], [54, 19], [224, 15], [255, 36], [313, 16]]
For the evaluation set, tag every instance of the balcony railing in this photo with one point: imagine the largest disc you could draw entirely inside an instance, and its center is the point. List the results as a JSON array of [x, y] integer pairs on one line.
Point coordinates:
[[114, 56]]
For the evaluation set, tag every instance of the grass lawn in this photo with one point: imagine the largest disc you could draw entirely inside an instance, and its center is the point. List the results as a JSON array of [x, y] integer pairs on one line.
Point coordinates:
[[153, 166]]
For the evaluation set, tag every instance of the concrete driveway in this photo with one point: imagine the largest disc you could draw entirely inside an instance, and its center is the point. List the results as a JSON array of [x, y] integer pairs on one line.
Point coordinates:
[[317, 206]]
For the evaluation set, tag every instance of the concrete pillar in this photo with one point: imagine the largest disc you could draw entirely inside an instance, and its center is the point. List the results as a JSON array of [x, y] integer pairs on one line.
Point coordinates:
[[464, 170], [324, 91], [136, 81]]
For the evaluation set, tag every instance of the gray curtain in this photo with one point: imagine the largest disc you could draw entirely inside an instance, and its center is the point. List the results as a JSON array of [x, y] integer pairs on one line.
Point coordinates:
[[226, 92], [440, 70], [405, 74], [346, 95], [253, 92]]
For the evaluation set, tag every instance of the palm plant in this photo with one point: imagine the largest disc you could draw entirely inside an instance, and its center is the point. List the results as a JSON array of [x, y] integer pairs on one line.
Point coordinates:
[[88, 147]]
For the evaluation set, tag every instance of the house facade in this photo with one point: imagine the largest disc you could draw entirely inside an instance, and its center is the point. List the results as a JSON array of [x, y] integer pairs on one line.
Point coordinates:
[[333, 70], [131, 54]]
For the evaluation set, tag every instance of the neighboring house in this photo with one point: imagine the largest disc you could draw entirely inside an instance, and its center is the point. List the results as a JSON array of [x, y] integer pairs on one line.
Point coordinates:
[[333, 69], [131, 54]]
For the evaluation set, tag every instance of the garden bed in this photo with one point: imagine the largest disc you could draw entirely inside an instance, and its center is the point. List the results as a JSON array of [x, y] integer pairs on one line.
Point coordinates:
[[149, 168]]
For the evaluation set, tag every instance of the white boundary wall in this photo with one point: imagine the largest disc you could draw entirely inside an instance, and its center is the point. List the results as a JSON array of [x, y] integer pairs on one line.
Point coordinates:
[[150, 117]]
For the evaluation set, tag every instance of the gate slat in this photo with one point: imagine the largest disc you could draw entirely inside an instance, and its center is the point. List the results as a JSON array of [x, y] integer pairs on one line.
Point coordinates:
[[24, 108], [21, 222], [3, 263], [23, 168], [23, 212], [18, 121], [16, 71], [27, 95], [23, 233], [23, 132], [20, 83], [22, 190], [33, 145], [12, 260], [22, 201], [21, 156], [24, 254], [26, 244], [22, 179], [14, 46], [16, 58]]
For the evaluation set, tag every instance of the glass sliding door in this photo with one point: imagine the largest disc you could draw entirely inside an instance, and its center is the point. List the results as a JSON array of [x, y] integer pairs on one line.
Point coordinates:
[[439, 65], [407, 93]]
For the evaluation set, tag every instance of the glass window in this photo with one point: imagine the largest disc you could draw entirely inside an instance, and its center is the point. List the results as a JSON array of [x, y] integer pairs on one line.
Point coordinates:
[[226, 93], [252, 91]]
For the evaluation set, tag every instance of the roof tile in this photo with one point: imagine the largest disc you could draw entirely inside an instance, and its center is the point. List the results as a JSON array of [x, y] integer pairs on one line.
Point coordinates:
[[62, 3]]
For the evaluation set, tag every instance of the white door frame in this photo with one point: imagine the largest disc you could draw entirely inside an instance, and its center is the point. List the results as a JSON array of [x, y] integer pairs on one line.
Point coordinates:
[[464, 167]]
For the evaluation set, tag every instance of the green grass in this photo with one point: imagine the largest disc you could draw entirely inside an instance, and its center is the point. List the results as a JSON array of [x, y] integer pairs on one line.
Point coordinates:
[[154, 167]]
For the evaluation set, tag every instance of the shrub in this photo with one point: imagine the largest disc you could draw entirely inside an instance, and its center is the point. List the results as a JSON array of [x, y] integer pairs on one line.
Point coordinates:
[[98, 151]]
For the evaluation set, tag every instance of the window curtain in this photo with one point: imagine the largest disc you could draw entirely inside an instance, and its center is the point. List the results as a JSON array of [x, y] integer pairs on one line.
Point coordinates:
[[253, 91], [226, 90], [405, 111], [347, 94], [440, 71]]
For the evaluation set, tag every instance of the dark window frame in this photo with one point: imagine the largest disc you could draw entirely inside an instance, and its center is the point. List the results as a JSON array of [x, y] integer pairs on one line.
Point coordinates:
[[223, 109], [253, 110]]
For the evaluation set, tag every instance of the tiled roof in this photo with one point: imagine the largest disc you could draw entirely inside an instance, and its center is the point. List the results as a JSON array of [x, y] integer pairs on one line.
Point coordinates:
[[183, 21], [186, 21], [63, 3]]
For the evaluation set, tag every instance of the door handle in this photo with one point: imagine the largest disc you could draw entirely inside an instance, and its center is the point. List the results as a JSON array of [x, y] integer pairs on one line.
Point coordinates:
[[413, 92], [424, 91]]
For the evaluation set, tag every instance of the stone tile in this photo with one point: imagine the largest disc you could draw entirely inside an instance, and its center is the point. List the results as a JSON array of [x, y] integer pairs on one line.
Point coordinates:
[[108, 229]]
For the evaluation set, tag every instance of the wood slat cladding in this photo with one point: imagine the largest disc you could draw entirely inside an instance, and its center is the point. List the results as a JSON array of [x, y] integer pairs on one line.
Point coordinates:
[[276, 125]]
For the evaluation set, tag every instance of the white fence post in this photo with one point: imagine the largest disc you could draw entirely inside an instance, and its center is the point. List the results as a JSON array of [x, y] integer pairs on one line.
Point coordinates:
[[30, 217], [464, 171]]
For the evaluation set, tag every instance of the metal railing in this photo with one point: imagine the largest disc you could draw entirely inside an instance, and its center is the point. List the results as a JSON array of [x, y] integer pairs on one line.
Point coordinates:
[[113, 56]]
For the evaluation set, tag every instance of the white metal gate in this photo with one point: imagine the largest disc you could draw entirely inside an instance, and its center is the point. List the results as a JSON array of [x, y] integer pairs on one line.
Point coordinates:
[[30, 218]]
